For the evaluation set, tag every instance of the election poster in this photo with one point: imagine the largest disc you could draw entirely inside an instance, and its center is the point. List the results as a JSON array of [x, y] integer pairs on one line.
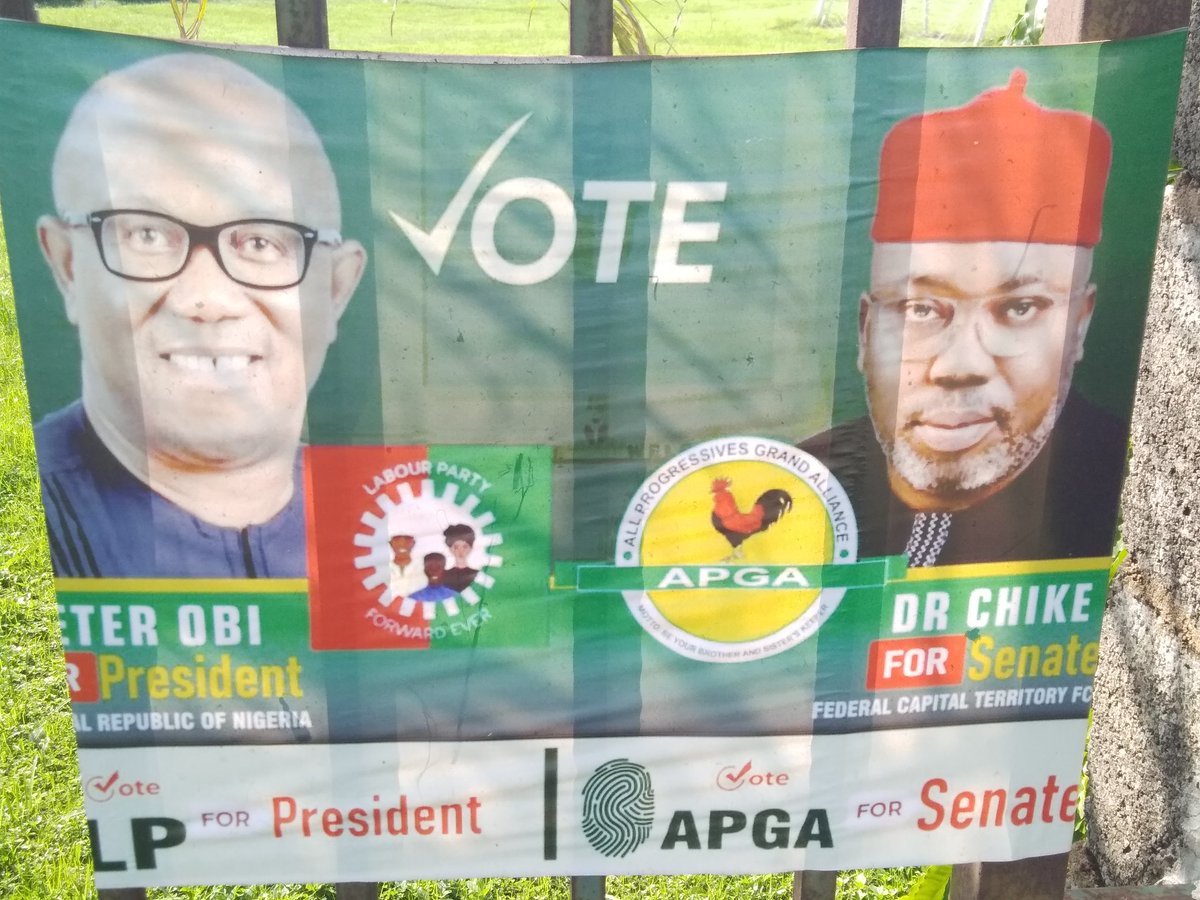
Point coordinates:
[[550, 467]]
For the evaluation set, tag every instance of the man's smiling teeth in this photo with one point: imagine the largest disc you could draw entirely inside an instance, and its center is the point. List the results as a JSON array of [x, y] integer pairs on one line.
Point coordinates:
[[197, 363]]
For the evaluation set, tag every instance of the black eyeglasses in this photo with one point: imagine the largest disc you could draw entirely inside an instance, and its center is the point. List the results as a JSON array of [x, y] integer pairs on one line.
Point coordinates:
[[149, 246]]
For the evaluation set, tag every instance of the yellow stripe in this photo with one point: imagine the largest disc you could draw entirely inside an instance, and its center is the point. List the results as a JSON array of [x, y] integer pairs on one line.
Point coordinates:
[[182, 585], [999, 569]]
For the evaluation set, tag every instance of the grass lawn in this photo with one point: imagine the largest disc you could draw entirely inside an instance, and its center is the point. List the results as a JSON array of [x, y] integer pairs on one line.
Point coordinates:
[[42, 833], [539, 27], [43, 841]]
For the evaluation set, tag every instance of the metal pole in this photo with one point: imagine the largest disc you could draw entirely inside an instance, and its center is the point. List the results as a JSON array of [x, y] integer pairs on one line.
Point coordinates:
[[356, 890], [983, 20], [869, 23], [814, 885], [18, 9], [873, 23], [302, 23], [587, 887], [591, 28]]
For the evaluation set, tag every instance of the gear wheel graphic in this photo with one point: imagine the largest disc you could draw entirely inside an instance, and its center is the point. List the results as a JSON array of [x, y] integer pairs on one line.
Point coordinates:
[[424, 515]]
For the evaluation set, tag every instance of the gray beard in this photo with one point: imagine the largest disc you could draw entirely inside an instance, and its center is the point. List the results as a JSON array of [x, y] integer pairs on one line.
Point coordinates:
[[953, 478]]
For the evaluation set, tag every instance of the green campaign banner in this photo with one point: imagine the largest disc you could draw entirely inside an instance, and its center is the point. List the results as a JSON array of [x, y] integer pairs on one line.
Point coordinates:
[[514, 468]]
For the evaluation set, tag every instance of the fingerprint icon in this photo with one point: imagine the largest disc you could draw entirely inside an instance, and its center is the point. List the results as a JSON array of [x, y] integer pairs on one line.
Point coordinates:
[[618, 807]]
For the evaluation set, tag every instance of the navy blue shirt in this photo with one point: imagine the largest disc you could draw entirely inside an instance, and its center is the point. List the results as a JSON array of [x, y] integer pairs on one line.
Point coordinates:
[[104, 522]]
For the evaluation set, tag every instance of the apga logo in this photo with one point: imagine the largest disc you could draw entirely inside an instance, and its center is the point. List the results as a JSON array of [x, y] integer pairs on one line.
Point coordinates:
[[618, 807], [734, 539]]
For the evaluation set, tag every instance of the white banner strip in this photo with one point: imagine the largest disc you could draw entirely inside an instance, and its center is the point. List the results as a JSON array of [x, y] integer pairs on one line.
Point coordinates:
[[368, 812]]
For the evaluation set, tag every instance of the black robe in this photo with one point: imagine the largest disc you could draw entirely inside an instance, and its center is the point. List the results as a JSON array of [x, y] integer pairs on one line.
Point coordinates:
[[1063, 505]]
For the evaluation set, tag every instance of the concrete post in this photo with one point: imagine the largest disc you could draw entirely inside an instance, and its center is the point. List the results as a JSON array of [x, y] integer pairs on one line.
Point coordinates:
[[1143, 803]]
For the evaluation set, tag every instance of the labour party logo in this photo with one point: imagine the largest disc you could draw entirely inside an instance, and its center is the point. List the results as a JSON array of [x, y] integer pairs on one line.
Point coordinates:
[[618, 807], [738, 543], [404, 546], [426, 549]]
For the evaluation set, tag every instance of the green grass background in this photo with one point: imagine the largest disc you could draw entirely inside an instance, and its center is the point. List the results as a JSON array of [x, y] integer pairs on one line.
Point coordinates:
[[539, 27], [43, 837]]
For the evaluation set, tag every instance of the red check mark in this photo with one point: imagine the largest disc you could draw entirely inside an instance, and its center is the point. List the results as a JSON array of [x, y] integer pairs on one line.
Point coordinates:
[[736, 779], [99, 790]]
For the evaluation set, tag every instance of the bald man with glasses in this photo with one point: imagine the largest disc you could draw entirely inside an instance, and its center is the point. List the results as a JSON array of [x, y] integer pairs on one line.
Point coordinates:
[[976, 448], [197, 247]]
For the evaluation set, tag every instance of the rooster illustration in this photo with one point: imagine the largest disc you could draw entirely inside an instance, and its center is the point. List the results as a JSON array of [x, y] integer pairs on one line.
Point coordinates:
[[736, 525]]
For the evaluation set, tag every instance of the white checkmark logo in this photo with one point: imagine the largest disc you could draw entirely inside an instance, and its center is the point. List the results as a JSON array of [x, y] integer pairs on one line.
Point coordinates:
[[433, 244]]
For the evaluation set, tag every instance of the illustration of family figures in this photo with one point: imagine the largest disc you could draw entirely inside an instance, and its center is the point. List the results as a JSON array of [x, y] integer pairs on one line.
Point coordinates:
[[432, 581]]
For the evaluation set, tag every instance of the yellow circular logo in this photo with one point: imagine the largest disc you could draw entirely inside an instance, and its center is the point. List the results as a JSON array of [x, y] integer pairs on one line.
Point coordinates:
[[731, 537]]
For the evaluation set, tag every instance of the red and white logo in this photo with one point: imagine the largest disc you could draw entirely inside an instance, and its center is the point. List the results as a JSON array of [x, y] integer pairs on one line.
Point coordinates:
[[401, 547]]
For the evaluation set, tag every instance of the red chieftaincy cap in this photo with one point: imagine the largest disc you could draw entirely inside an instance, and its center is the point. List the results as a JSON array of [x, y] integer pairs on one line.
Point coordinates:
[[1000, 168]]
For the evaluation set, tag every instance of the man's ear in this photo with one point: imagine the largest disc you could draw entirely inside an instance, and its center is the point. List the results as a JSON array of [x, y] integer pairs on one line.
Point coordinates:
[[1087, 305], [55, 240], [349, 262], [864, 309]]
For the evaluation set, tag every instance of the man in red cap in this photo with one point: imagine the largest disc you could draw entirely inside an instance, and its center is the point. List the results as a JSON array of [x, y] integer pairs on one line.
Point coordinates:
[[979, 304]]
